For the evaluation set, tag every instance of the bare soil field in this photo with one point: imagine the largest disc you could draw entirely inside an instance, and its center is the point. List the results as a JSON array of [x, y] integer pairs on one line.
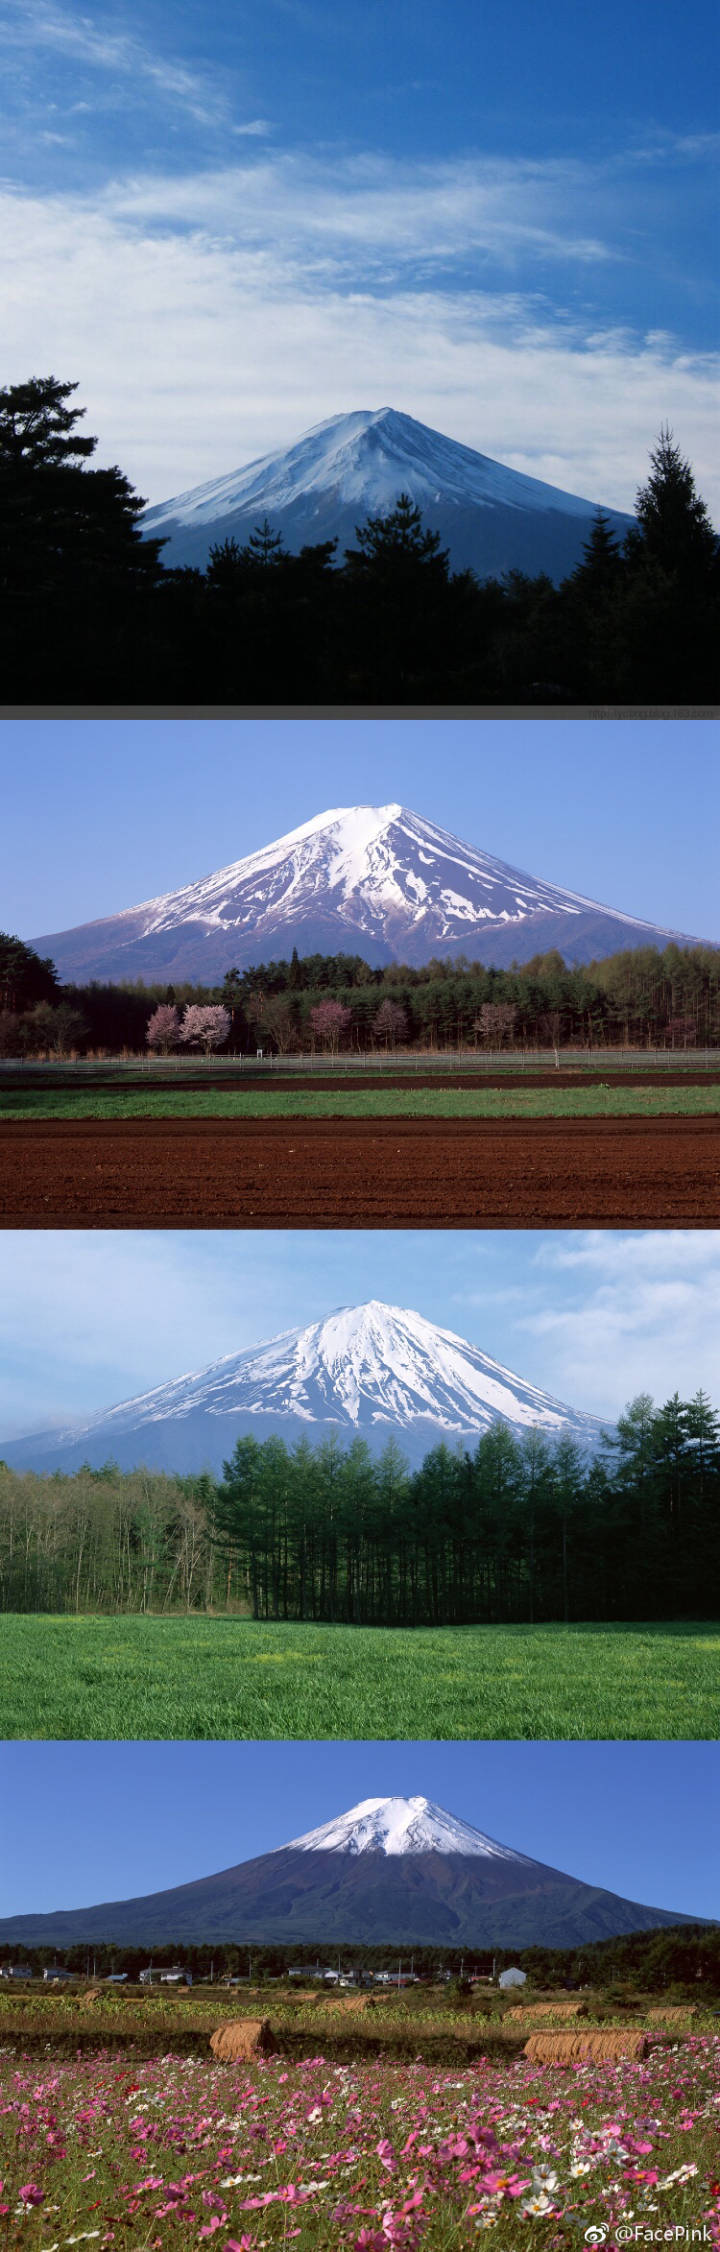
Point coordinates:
[[361, 1172], [337, 1079]]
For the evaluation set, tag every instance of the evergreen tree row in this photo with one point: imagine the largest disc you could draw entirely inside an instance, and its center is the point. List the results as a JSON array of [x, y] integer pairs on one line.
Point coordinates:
[[512, 1531], [90, 613], [686, 1956]]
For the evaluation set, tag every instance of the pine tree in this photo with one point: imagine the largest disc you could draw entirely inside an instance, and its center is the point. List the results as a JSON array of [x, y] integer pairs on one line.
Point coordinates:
[[264, 548], [67, 531], [400, 533], [675, 528], [37, 427], [600, 568]]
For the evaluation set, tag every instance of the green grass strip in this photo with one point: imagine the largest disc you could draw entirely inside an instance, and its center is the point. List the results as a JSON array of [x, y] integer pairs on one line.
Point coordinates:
[[422, 1102], [200, 1678]]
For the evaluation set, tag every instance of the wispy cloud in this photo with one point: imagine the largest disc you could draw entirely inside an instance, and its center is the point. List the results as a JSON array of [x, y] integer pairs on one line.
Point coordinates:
[[263, 297], [372, 211], [123, 55]]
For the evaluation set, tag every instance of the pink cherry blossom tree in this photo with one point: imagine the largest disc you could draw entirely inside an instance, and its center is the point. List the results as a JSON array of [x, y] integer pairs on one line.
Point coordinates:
[[163, 1031], [330, 1020], [205, 1027]]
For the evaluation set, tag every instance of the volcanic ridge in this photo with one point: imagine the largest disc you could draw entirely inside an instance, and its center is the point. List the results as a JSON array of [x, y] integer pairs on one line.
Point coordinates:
[[391, 1871]]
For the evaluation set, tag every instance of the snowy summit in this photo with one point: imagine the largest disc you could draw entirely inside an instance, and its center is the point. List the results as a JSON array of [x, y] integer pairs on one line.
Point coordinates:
[[400, 1825]]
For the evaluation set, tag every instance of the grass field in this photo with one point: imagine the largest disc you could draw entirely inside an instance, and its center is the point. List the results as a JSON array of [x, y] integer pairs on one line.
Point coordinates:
[[226, 1678], [369, 1102]]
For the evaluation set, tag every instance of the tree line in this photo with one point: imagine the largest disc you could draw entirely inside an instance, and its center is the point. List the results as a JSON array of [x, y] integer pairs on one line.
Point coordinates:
[[92, 613], [686, 1956], [511, 1531], [644, 997]]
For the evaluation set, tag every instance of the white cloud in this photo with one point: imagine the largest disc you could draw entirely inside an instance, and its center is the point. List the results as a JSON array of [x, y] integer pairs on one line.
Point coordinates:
[[209, 320], [629, 1313]]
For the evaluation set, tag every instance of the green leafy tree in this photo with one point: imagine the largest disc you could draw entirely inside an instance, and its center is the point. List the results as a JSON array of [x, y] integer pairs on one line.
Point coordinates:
[[25, 977]]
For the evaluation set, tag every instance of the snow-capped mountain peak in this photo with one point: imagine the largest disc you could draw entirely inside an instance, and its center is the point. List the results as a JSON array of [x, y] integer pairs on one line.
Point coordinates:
[[365, 460], [380, 881], [371, 1371], [368, 864], [400, 1826]]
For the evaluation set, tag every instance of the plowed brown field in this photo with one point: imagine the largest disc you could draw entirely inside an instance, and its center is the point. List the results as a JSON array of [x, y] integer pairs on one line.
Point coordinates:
[[371, 1173]]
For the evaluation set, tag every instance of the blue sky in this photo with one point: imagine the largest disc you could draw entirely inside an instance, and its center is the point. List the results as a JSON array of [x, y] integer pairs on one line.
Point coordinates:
[[98, 816], [163, 1814], [231, 222], [88, 1319]]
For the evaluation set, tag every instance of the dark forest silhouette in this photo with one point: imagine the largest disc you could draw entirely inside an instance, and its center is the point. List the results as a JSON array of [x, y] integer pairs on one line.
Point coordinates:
[[91, 614]]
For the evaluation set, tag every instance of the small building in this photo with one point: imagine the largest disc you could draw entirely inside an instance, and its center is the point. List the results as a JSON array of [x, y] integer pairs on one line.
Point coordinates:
[[115, 1978], [510, 1978], [16, 1970], [55, 1972], [175, 1976]]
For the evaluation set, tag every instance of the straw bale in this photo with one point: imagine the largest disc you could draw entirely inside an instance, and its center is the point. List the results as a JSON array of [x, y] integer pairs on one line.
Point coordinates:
[[674, 2013], [244, 2037], [94, 1994], [585, 2048]]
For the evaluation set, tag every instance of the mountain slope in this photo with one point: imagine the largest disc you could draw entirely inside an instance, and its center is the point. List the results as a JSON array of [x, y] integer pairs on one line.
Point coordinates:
[[369, 1371], [390, 1871], [492, 518], [374, 880]]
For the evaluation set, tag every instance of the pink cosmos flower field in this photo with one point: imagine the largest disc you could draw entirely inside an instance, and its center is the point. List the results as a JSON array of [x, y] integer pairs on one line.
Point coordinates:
[[176, 2152]]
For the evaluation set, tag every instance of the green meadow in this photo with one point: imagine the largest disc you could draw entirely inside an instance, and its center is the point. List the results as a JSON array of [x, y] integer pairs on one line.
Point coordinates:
[[370, 1102], [221, 1678]]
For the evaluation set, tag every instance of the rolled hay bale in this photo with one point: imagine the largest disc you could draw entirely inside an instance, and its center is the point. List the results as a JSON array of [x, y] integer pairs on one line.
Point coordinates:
[[585, 2048], [243, 2037], [674, 2013]]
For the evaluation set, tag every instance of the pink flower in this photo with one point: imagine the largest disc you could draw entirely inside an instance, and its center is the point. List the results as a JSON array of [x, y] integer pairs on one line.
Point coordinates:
[[31, 2195]]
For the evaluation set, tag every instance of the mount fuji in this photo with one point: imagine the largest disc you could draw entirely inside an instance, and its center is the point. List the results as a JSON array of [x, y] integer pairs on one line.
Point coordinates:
[[371, 1372], [392, 1871], [378, 881], [492, 519]]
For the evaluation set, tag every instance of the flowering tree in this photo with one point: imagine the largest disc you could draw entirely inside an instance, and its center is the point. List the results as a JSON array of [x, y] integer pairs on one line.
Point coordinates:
[[329, 1021], [163, 1031], [496, 1022], [390, 1024], [205, 1028]]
